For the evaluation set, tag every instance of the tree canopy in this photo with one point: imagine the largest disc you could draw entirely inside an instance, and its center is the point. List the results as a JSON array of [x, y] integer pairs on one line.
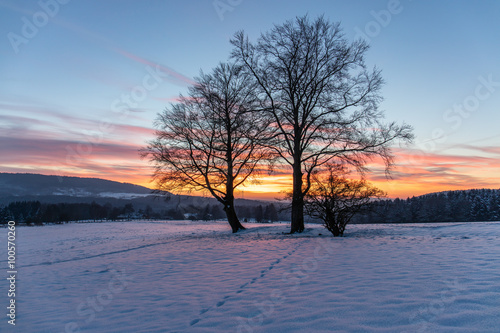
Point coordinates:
[[335, 199], [211, 140], [323, 101]]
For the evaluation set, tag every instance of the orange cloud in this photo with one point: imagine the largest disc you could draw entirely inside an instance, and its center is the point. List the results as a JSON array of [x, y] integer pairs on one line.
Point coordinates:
[[417, 172], [51, 144]]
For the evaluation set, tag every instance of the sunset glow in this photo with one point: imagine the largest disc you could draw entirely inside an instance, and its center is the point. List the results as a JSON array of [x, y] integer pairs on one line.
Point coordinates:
[[80, 98]]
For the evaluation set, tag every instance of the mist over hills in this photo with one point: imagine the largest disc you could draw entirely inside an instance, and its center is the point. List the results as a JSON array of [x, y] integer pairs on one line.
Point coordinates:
[[448, 206], [57, 189], [33, 198]]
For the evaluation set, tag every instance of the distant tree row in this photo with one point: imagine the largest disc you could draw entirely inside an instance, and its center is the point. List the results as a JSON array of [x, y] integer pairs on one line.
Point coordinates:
[[36, 213], [260, 213], [257, 213], [453, 206]]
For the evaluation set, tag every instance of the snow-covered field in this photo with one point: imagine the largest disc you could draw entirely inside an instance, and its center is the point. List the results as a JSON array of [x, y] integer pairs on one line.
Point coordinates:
[[198, 277]]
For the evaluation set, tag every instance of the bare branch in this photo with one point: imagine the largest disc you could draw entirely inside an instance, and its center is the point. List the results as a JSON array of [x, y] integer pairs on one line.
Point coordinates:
[[323, 102]]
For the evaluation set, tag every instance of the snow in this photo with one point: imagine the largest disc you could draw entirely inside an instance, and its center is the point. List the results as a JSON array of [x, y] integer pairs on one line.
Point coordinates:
[[79, 192], [76, 192], [123, 195], [188, 276]]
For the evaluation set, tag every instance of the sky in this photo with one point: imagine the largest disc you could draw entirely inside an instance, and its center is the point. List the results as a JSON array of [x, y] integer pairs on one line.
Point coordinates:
[[81, 82]]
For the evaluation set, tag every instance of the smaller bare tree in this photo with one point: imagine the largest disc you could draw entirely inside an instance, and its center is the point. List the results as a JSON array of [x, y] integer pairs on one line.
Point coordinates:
[[212, 139], [335, 199]]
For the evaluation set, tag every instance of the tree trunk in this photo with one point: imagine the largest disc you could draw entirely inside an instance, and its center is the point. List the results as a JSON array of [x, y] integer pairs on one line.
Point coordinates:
[[335, 230], [297, 224], [232, 218]]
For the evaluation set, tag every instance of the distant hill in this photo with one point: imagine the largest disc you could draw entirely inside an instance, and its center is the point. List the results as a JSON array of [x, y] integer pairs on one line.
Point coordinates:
[[22, 184], [32, 198], [58, 189]]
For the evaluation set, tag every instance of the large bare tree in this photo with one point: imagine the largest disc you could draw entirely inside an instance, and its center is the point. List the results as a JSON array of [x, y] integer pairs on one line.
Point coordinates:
[[321, 97], [211, 139]]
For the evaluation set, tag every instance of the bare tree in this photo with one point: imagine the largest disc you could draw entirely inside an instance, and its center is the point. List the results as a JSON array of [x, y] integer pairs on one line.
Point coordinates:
[[210, 140], [335, 199], [323, 101]]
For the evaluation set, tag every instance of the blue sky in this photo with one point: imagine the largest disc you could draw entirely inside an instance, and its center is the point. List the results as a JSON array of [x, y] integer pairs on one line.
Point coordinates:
[[68, 66]]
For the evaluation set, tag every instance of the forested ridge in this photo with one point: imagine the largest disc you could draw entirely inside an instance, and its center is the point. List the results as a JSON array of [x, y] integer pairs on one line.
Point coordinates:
[[451, 206], [37, 213]]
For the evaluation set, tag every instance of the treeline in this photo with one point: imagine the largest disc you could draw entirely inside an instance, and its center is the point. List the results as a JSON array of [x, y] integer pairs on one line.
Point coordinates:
[[453, 206], [248, 213], [36, 213]]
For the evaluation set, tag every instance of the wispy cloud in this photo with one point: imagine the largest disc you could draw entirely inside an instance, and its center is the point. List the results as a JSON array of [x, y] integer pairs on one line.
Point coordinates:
[[170, 73], [493, 150]]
